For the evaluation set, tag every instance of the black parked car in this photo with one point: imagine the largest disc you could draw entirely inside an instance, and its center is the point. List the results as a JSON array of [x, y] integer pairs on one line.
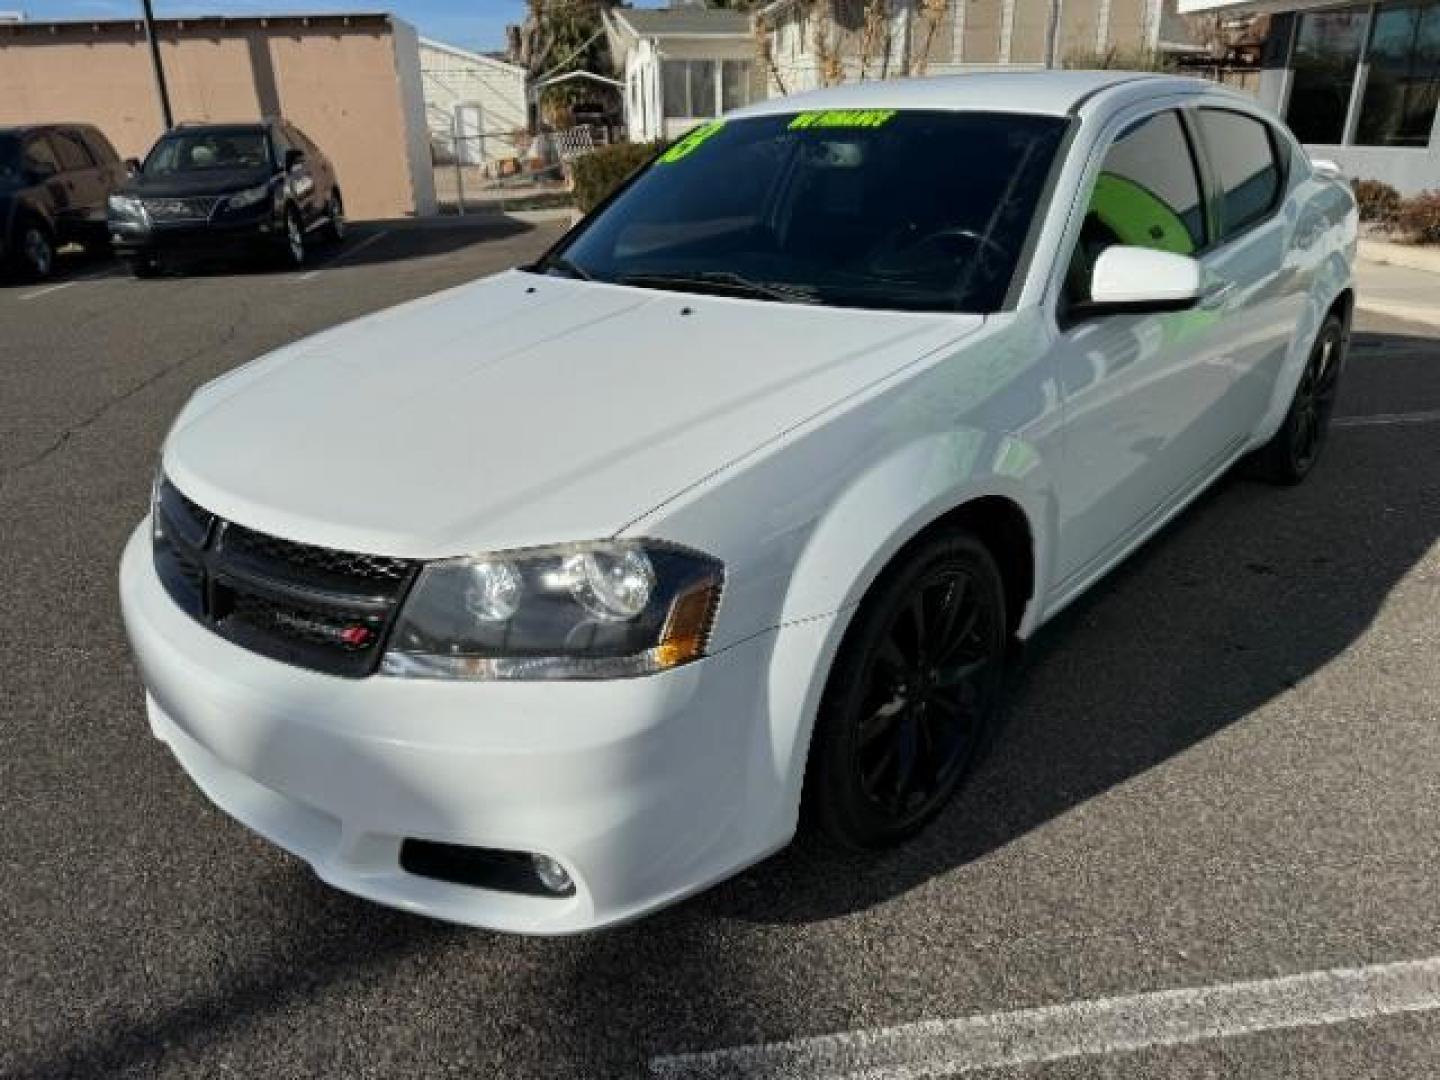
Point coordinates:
[[54, 180], [216, 189]]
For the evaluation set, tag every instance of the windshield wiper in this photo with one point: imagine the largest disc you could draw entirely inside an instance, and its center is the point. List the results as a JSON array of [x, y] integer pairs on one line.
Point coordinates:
[[562, 264], [723, 283]]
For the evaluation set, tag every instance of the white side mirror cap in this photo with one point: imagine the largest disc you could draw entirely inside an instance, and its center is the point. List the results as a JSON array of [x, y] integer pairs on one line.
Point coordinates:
[[1327, 168], [1142, 279]]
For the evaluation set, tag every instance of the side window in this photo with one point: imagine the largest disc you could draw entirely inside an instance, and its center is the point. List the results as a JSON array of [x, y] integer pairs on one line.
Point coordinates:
[[100, 148], [1147, 195], [39, 158], [72, 153], [1243, 156]]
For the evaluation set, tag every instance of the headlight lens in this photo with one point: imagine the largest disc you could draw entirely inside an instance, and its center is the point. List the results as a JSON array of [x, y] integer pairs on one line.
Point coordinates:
[[125, 206], [249, 197], [612, 609]]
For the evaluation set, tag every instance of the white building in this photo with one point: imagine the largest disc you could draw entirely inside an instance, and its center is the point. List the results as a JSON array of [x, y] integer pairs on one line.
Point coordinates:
[[1358, 83], [475, 105], [681, 65]]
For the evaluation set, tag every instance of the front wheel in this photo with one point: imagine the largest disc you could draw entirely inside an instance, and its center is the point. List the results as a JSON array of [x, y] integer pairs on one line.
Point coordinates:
[[35, 251], [1289, 457], [915, 686], [292, 242], [335, 219]]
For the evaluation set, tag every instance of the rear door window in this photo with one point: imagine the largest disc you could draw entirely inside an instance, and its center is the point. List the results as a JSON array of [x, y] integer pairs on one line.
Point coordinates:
[[1242, 155], [40, 160]]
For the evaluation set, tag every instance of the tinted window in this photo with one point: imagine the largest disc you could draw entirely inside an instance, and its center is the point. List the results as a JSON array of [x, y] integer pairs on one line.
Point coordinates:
[[865, 208], [1240, 150], [71, 152], [1147, 195], [39, 158], [100, 148]]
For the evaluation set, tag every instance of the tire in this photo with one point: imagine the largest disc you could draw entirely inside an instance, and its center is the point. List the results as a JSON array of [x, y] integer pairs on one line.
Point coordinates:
[[1291, 454], [916, 686], [292, 242], [142, 266], [34, 250], [335, 218]]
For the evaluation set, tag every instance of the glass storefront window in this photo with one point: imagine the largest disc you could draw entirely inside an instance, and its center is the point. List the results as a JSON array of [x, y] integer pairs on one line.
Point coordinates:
[[1327, 51], [1403, 88]]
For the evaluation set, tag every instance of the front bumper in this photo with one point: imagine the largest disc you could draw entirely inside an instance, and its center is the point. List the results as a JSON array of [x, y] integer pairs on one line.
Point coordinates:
[[645, 790], [247, 232]]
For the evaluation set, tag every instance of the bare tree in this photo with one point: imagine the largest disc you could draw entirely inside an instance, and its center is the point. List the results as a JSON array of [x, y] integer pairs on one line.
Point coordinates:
[[932, 14]]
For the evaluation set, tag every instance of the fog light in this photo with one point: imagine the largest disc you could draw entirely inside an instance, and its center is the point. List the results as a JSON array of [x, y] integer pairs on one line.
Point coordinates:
[[551, 874]]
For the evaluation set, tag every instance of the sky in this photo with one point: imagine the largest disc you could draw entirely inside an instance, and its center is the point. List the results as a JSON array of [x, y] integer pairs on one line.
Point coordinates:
[[471, 24]]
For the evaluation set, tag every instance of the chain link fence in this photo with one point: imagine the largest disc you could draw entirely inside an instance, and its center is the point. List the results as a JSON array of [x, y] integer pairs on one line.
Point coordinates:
[[476, 171]]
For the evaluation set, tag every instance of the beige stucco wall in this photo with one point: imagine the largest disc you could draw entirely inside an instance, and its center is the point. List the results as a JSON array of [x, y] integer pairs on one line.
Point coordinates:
[[339, 84]]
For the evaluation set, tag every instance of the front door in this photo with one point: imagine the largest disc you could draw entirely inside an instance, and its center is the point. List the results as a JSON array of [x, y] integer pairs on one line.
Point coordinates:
[[1140, 390]]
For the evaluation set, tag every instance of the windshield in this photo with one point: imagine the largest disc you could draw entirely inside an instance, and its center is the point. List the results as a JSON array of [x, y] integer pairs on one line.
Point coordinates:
[[201, 151], [867, 208], [9, 161]]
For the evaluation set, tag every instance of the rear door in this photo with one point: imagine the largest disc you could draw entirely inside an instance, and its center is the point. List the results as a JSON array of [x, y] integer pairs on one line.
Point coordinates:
[[46, 181], [1143, 393], [85, 185], [1253, 279]]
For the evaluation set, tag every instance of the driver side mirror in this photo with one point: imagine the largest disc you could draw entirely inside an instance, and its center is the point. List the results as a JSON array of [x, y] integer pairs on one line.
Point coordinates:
[[132, 166], [1138, 280], [294, 159]]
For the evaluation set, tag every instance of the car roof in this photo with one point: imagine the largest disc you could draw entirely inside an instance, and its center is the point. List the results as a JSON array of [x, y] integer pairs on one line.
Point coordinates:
[[251, 127], [1051, 93]]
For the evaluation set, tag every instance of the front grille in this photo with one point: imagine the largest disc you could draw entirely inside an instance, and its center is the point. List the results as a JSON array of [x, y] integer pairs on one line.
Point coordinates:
[[197, 208], [310, 606]]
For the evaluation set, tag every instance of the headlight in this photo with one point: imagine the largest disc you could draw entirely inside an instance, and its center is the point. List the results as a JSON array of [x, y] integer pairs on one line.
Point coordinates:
[[249, 197], [607, 610], [125, 206]]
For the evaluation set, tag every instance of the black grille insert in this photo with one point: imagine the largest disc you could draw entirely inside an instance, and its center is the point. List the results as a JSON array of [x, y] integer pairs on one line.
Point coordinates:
[[310, 606]]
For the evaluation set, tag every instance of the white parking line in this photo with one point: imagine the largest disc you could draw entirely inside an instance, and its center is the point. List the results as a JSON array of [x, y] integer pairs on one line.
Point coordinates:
[[345, 254], [104, 271], [937, 1048], [1386, 419]]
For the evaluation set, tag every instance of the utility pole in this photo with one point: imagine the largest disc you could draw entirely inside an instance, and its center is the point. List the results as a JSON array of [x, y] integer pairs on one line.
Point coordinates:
[[159, 67]]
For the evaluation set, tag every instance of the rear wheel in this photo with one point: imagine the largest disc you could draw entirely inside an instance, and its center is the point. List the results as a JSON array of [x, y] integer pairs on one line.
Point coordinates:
[[1292, 453], [142, 266], [915, 686]]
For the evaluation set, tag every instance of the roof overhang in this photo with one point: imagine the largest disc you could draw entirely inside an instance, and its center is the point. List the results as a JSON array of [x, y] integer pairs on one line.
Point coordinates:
[[1248, 7]]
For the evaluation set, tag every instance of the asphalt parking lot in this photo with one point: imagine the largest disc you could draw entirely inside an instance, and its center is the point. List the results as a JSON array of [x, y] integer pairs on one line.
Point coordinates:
[[1222, 767]]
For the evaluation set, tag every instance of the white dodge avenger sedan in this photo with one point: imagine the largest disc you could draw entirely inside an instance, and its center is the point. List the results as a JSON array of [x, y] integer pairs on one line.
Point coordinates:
[[555, 597]]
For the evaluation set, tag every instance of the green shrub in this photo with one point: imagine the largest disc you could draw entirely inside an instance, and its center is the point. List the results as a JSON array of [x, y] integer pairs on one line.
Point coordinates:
[[600, 172], [1378, 201], [1419, 217]]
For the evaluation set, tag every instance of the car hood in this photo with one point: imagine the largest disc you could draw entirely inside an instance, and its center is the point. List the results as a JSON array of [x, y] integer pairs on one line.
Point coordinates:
[[180, 185], [520, 410]]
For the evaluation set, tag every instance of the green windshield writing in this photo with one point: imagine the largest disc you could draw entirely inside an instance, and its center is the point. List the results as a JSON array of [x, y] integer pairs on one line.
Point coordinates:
[[691, 142], [843, 118]]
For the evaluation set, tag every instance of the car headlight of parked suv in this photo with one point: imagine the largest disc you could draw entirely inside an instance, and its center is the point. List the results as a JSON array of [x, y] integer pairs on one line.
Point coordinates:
[[242, 200], [125, 206], [604, 610]]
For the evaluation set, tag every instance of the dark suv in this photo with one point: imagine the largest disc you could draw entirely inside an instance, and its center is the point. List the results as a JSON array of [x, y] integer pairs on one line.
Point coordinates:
[[54, 180], [216, 189]]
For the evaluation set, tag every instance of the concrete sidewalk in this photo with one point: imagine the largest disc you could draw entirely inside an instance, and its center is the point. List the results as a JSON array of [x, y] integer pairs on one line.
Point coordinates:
[[1399, 292]]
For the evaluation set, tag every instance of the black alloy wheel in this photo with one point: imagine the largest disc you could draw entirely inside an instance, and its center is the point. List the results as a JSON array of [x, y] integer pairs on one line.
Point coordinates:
[[36, 251], [335, 218], [292, 249], [915, 687], [1290, 456]]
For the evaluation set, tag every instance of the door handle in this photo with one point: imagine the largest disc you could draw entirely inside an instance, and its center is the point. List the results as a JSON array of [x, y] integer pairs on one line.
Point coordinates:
[[1216, 295]]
